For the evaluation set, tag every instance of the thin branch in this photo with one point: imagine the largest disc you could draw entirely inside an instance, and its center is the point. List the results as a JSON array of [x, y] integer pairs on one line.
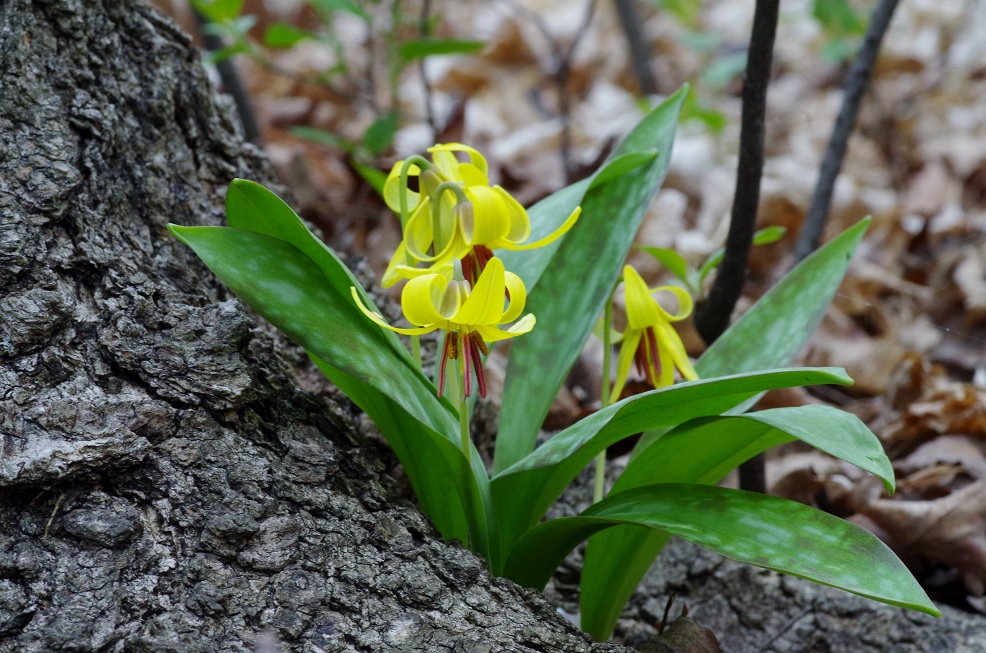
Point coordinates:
[[424, 30], [231, 80], [563, 67], [564, 97], [639, 52], [856, 83], [712, 314]]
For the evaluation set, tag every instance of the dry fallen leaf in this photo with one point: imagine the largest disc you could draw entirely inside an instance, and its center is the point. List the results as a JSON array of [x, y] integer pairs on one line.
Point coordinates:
[[683, 636], [950, 531]]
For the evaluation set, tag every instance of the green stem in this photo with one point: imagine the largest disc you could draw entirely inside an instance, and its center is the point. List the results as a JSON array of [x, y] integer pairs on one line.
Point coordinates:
[[599, 486], [416, 349], [465, 438]]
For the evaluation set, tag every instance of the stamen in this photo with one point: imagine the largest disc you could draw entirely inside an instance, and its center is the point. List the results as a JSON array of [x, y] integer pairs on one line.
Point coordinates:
[[655, 356], [467, 347], [450, 350], [478, 346], [483, 256], [478, 341], [640, 357], [453, 345], [470, 267]]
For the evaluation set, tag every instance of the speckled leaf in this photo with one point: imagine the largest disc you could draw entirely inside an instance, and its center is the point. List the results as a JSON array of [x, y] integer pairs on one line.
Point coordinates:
[[569, 295], [754, 528], [772, 332], [704, 451], [522, 493]]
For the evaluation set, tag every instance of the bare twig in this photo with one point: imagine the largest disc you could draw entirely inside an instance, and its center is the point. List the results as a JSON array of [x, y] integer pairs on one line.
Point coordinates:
[[856, 83], [563, 67], [424, 30], [712, 314], [639, 53]]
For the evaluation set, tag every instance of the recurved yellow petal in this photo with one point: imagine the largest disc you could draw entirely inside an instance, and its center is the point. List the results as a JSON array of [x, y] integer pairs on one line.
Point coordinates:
[[477, 160], [491, 333], [422, 297], [669, 341], [518, 297], [392, 188], [378, 319], [553, 236]]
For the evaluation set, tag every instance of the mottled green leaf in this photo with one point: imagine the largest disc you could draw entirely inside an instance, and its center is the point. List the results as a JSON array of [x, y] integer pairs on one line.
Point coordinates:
[[772, 332], [704, 450], [753, 528], [523, 492], [575, 280]]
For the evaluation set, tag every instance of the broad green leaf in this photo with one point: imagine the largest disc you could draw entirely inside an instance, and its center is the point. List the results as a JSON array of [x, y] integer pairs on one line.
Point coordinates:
[[838, 17], [349, 6], [431, 461], [421, 48], [286, 35], [523, 492], [370, 175], [749, 527], [219, 11], [769, 235], [704, 450], [670, 259], [773, 331], [379, 136], [569, 295]]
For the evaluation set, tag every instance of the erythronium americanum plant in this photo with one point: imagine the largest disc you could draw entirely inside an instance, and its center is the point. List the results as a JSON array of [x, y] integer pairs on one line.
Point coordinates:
[[477, 277]]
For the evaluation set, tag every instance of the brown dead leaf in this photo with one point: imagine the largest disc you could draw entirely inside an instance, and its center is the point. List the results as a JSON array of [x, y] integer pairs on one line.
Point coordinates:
[[970, 277], [683, 636], [945, 455], [950, 531], [943, 407]]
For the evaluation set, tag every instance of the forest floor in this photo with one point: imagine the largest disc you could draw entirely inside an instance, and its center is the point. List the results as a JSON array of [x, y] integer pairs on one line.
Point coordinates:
[[909, 322]]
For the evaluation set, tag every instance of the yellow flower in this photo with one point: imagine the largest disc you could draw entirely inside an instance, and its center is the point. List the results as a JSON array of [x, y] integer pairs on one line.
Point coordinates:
[[470, 315], [650, 341], [456, 214]]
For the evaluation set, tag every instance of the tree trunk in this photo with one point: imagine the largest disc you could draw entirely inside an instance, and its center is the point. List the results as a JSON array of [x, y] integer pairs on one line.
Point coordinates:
[[164, 485]]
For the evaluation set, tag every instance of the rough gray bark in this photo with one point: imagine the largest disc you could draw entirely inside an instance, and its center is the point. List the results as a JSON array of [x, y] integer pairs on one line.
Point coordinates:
[[164, 485]]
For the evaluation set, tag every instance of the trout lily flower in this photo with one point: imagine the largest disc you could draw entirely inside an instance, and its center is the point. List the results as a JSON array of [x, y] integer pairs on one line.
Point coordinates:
[[650, 341], [471, 316], [455, 214]]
